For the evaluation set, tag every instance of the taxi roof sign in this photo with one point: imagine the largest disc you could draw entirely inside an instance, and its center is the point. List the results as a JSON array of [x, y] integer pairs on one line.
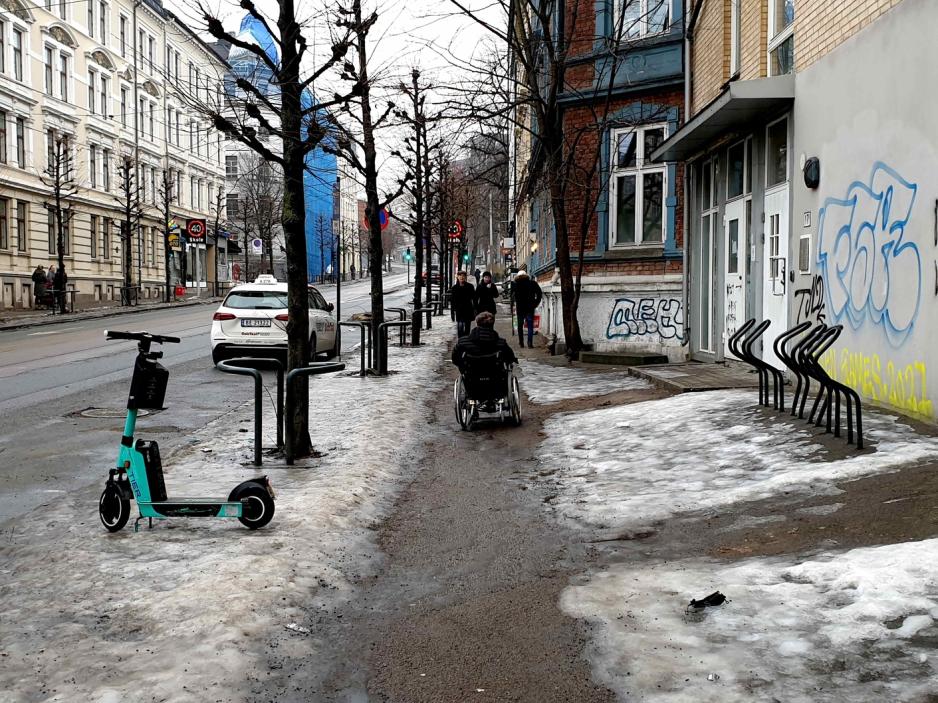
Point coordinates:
[[266, 279]]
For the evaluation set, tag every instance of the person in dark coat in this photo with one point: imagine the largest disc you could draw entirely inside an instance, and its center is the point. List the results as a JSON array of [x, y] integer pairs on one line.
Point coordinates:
[[486, 294], [527, 297], [39, 284], [483, 340], [462, 304], [58, 286], [475, 274]]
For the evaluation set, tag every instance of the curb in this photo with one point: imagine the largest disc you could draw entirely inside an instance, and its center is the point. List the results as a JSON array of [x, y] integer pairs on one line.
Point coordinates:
[[100, 314]]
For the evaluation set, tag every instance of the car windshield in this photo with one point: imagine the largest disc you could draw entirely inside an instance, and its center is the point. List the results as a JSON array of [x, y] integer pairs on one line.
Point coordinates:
[[256, 300]]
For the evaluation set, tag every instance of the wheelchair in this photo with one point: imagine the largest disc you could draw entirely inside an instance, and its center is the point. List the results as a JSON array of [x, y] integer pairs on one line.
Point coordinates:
[[486, 385]]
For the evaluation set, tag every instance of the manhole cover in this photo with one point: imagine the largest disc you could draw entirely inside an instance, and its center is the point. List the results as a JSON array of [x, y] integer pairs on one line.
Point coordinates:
[[110, 412]]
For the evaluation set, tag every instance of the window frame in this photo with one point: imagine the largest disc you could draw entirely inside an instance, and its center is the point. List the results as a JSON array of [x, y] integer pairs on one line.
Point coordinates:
[[93, 165], [93, 227], [232, 172], [21, 155], [3, 46], [124, 23], [643, 23], [788, 169], [106, 169], [4, 224], [735, 36], [18, 54], [22, 225], [776, 38], [639, 171], [747, 169], [4, 133]]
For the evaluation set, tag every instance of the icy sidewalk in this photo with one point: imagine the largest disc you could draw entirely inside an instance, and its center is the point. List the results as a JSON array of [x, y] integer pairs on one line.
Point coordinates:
[[856, 625], [630, 465], [185, 611], [546, 383]]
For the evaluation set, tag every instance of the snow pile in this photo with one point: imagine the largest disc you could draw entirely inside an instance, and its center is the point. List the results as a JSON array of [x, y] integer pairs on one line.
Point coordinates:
[[634, 464], [183, 612], [545, 384], [854, 626]]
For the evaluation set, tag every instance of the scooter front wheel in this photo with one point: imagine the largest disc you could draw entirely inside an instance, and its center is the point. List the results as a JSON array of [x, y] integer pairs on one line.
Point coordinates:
[[113, 508], [258, 506]]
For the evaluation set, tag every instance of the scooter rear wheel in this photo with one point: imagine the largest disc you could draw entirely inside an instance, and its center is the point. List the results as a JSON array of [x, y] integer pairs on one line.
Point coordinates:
[[113, 509], [258, 507]]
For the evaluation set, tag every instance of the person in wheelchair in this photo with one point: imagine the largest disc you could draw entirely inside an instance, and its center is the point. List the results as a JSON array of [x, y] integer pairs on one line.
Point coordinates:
[[483, 340]]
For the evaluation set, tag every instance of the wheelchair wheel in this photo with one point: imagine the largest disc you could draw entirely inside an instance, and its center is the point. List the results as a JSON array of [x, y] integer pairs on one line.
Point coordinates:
[[461, 404], [514, 400]]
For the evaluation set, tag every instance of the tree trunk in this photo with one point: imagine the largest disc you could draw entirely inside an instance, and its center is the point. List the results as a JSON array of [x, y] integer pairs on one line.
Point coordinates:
[[568, 298], [293, 220]]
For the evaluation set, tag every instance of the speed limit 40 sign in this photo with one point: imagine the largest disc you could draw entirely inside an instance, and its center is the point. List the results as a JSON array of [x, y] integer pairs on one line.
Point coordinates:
[[196, 230]]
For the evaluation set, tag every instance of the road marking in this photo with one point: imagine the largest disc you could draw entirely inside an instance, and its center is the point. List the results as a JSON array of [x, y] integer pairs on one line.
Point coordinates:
[[40, 334]]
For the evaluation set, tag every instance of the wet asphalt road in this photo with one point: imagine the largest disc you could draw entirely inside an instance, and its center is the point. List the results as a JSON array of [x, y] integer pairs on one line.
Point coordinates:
[[50, 373]]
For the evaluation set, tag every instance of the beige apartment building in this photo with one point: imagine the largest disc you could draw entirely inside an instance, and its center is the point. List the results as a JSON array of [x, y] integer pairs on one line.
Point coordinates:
[[113, 82], [810, 151]]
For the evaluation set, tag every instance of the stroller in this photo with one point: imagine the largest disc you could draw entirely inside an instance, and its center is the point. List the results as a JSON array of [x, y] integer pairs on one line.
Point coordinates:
[[487, 385]]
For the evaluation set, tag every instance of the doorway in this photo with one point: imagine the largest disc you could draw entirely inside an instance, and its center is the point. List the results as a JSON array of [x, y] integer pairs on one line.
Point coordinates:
[[735, 236]]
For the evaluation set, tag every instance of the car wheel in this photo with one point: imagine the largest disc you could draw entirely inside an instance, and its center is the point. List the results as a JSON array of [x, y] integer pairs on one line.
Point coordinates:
[[218, 354], [334, 352]]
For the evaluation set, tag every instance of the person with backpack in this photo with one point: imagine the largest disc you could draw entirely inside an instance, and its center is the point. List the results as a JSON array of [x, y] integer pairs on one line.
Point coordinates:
[[528, 296]]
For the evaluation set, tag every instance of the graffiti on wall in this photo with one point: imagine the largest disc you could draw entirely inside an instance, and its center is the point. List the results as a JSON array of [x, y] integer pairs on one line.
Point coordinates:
[[645, 317], [810, 302], [872, 272], [882, 381]]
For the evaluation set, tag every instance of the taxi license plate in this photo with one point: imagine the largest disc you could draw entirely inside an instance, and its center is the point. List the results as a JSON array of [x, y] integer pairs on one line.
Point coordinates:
[[255, 322]]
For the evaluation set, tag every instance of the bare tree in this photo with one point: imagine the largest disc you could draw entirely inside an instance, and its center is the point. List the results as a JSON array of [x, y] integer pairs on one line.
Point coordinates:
[[130, 200], [295, 120], [166, 196], [260, 194], [59, 177], [529, 87]]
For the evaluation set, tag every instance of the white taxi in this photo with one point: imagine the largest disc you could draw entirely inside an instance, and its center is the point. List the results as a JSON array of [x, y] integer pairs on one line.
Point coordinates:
[[252, 321]]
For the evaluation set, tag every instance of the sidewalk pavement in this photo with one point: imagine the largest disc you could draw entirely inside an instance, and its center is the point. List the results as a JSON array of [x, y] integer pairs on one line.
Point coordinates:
[[18, 319]]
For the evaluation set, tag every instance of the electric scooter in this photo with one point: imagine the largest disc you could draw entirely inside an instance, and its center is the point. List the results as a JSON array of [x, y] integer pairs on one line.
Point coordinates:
[[139, 472]]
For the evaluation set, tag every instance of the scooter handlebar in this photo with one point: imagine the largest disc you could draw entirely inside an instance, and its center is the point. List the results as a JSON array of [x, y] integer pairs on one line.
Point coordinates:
[[141, 337]]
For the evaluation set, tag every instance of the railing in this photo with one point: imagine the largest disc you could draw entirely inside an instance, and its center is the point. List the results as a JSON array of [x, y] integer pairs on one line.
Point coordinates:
[[315, 368], [365, 346], [244, 366], [382, 359]]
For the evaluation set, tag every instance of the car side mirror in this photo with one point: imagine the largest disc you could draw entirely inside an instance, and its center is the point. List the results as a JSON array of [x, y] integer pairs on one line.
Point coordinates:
[[330, 307]]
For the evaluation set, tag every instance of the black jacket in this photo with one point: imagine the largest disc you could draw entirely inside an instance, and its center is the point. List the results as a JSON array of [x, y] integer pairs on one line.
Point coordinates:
[[486, 295], [527, 295], [462, 302], [483, 340]]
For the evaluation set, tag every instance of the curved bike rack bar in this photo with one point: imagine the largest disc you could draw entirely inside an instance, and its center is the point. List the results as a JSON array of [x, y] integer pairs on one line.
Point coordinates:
[[383, 343], [782, 353], [315, 368], [227, 367], [401, 315], [365, 340]]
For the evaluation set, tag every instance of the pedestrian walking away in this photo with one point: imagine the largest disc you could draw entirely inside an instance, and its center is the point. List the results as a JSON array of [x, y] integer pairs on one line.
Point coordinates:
[[462, 304], [477, 275], [486, 294], [39, 284], [527, 297]]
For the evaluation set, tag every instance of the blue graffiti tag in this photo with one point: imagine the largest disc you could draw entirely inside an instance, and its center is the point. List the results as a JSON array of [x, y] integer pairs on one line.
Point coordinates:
[[631, 318], [870, 272]]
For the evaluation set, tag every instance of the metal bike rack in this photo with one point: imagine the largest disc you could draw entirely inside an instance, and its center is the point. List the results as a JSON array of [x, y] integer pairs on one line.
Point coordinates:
[[782, 352], [415, 323], [365, 346], [312, 369], [383, 344], [248, 369], [401, 315]]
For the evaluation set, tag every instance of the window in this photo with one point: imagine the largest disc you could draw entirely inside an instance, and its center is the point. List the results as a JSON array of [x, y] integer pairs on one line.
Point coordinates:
[[93, 232], [3, 46], [176, 66], [210, 195], [708, 216], [153, 246], [231, 205], [178, 128], [124, 95], [50, 60], [177, 192], [18, 54], [637, 190], [21, 142], [93, 165], [106, 237], [735, 36], [640, 18], [231, 166], [102, 22], [22, 212], [4, 224], [776, 157], [150, 118], [3, 137], [781, 37], [92, 80], [169, 124], [50, 149], [123, 36], [53, 233], [63, 77], [739, 169], [191, 135], [192, 191], [151, 53], [91, 18], [106, 169], [103, 86], [153, 185], [62, 8], [198, 190], [191, 77]]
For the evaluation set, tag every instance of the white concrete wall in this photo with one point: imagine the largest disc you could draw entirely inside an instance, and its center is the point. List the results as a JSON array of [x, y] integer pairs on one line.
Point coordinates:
[[867, 111], [624, 313]]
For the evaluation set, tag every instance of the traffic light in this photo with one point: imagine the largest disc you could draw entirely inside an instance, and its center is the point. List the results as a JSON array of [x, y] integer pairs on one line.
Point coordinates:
[[466, 257], [408, 256]]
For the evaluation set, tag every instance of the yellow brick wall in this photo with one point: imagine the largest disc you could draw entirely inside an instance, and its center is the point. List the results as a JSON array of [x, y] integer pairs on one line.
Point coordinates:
[[754, 25], [822, 25], [710, 61]]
